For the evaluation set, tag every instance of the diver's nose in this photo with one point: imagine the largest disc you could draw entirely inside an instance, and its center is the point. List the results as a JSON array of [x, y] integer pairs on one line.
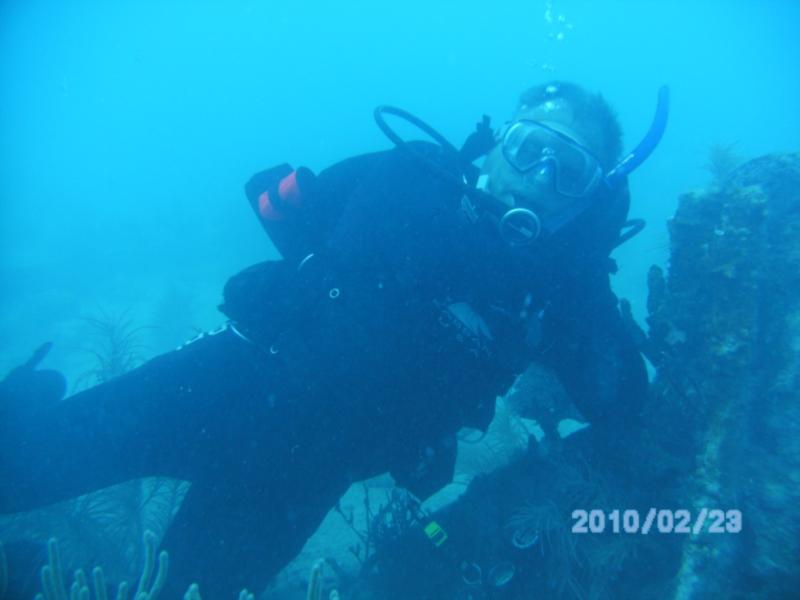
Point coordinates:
[[542, 175]]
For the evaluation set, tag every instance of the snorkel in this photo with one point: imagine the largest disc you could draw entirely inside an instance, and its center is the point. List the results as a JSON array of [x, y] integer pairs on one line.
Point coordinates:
[[522, 226], [638, 155]]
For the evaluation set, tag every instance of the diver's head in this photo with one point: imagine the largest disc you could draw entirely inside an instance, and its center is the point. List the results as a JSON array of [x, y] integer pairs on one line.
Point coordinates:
[[555, 164], [556, 149]]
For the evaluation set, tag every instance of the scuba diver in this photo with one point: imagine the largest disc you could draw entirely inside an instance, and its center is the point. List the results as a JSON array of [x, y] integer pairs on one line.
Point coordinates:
[[414, 287]]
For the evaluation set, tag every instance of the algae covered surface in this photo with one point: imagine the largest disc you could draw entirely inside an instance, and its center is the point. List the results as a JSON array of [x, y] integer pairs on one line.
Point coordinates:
[[726, 334]]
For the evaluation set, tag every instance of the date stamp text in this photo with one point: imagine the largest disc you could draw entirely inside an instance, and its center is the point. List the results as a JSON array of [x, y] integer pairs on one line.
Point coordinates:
[[657, 520]]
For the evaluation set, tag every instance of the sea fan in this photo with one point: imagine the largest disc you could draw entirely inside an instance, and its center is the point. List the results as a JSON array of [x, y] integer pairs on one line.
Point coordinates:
[[722, 161]]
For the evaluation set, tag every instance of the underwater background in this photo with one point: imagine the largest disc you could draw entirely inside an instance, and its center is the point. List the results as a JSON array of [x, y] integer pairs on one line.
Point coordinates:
[[128, 129]]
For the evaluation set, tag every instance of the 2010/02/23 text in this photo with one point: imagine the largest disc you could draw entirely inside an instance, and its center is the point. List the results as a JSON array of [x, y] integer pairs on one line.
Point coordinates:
[[664, 520]]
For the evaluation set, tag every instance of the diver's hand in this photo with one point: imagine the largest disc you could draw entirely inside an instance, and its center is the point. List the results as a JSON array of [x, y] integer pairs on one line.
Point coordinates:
[[479, 141], [28, 388]]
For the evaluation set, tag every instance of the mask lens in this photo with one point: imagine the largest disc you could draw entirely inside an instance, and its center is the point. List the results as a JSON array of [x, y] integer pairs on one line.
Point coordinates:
[[525, 145], [529, 145], [578, 171], [521, 148]]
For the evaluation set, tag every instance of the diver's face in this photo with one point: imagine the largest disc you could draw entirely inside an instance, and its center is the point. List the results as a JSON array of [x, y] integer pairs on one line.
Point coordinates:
[[536, 189]]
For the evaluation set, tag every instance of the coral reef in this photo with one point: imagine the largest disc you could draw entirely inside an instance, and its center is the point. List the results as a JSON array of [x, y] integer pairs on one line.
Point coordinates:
[[722, 161], [116, 346], [193, 593], [148, 588], [725, 332], [316, 583], [105, 526], [102, 527], [150, 583], [509, 536]]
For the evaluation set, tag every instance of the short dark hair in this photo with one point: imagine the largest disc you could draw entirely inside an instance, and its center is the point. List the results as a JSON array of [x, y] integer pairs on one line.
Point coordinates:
[[590, 110]]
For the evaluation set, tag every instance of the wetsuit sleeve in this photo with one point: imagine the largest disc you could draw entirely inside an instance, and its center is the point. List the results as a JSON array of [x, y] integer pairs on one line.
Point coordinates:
[[589, 348], [165, 418]]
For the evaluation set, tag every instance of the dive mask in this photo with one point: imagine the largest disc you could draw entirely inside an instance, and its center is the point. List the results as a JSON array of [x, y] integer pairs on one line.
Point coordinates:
[[541, 152]]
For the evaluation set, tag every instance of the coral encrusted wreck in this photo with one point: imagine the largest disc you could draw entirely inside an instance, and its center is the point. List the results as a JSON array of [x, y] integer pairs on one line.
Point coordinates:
[[725, 334]]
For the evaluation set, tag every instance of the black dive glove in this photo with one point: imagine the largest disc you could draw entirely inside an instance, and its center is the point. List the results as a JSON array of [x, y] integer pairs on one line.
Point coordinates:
[[29, 389], [479, 141]]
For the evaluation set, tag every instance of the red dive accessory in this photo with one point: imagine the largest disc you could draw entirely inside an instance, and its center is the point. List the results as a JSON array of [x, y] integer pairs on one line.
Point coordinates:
[[280, 200], [283, 199]]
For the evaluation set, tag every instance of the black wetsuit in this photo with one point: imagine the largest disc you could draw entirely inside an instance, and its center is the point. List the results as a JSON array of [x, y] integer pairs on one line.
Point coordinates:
[[403, 327]]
